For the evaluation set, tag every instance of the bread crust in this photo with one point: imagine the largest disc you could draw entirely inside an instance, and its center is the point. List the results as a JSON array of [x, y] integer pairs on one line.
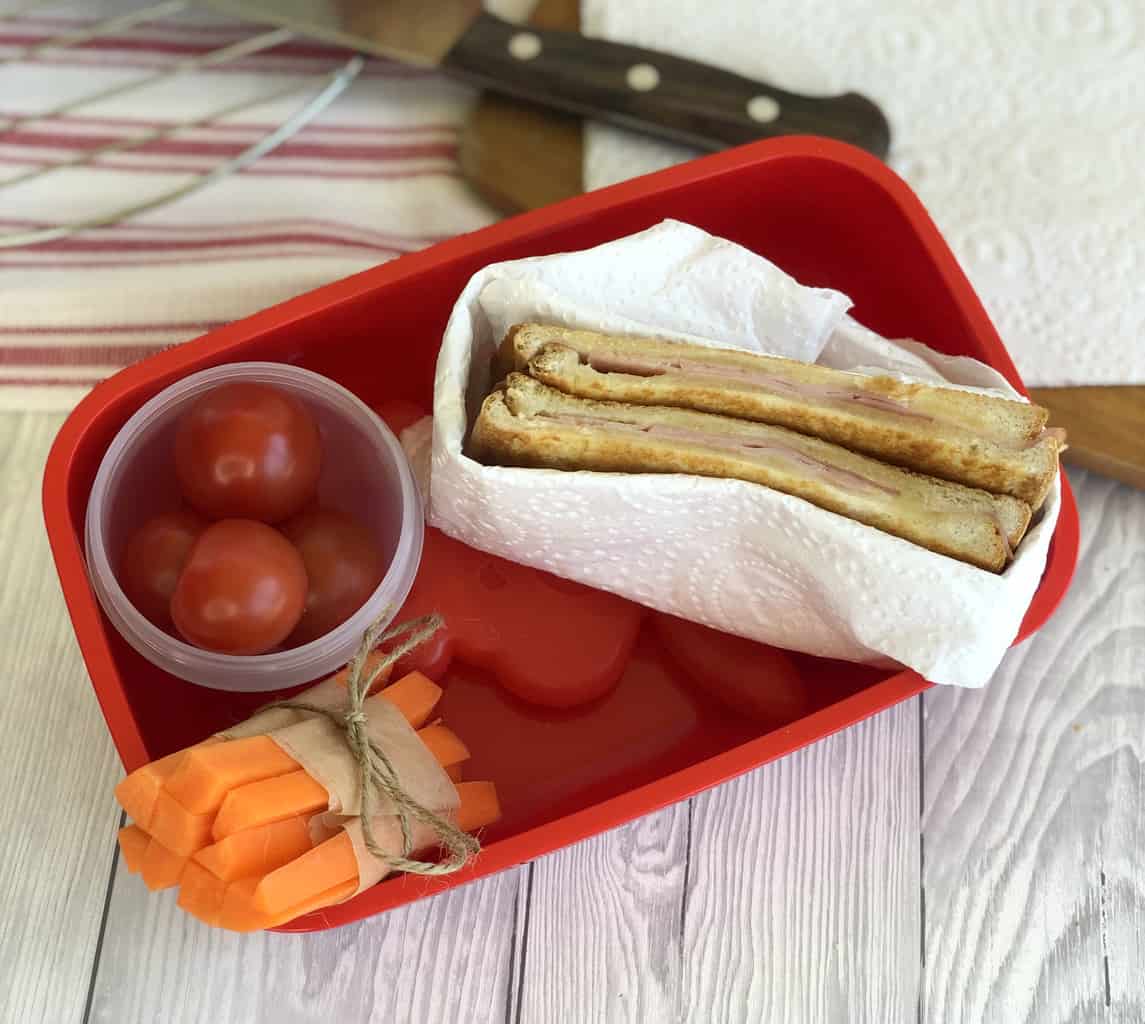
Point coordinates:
[[526, 423], [991, 443]]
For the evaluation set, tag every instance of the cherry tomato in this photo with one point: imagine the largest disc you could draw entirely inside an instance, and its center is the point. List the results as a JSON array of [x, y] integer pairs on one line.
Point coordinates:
[[343, 565], [242, 590], [154, 558], [247, 451]]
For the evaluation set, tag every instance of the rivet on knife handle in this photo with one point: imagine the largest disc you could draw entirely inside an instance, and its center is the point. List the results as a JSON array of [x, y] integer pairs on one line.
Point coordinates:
[[657, 93]]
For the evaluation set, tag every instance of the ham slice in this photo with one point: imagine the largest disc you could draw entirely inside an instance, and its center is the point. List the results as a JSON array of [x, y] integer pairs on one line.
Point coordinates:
[[760, 451], [698, 370]]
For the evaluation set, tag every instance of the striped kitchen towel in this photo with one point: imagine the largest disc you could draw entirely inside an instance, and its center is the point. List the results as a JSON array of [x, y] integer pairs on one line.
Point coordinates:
[[372, 177]]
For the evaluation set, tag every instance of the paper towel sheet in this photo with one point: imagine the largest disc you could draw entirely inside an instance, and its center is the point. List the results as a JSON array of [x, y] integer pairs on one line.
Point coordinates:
[[1019, 123], [730, 554]]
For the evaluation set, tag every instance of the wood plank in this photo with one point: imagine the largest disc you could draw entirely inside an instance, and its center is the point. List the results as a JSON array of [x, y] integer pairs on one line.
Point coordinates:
[[1106, 427], [604, 936], [512, 177], [802, 901], [489, 148], [58, 766], [1034, 804], [443, 959], [522, 906]]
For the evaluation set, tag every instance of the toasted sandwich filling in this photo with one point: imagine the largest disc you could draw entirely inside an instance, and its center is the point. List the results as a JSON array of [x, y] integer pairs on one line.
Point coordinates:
[[756, 450], [695, 369], [700, 371]]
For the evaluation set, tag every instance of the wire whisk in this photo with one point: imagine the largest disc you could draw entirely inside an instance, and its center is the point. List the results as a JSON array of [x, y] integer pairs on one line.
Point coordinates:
[[323, 90]]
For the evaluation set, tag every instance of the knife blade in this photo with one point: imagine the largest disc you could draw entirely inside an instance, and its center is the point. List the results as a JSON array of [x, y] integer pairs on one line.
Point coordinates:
[[656, 93]]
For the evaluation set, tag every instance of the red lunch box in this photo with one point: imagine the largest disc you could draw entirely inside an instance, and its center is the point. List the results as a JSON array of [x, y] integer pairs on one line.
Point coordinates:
[[829, 215]]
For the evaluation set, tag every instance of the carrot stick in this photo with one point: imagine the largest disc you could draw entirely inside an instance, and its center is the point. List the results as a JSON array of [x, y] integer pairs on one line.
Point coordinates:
[[177, 828], [238, 913], [223, 773], [207, 774], [260, 803], [133, 845], [323, 899], [479, 805], [444, 744], [256, 851], [201, 893], [332, 863], [415, 696], [137, 792], [234, 908], [326, 866], [342, 676], [161, 868]]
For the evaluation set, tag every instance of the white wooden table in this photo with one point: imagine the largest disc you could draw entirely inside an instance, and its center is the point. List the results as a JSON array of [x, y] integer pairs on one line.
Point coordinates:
[[966, 856]]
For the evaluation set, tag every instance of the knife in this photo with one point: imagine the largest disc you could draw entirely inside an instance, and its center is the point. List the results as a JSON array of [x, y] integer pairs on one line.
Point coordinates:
[[657, 93]]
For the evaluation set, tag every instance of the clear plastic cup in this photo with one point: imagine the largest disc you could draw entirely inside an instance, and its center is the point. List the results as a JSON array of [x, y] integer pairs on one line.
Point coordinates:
[[364, 473]]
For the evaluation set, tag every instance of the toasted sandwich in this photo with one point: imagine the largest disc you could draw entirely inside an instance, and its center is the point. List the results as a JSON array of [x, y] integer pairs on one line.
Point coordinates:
[[995, 444], [526, 423]]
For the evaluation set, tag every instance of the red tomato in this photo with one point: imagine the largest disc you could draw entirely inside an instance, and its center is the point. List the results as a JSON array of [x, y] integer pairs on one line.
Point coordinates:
[[242, 590], [247, 451], [154, 558], [343, 565]]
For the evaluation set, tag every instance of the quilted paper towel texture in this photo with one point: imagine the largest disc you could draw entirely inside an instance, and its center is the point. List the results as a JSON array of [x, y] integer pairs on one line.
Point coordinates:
[[730, 554], [1019, 123]]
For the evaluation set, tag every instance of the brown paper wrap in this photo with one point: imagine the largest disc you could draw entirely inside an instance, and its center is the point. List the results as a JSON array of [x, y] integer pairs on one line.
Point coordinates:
[[388, 833], [319, 746], [327, 728], [330, 693]]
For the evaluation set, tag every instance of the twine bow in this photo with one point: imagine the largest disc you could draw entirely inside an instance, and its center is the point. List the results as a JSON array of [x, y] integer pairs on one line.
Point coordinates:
[[376, 773]]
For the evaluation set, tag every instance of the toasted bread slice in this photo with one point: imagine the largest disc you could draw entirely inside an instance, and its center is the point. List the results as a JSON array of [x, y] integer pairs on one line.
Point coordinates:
[[996, 444], [526, 423]]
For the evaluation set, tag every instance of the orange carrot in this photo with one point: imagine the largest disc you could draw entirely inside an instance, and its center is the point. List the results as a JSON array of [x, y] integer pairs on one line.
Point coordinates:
[[326, 866], [415, 696], [479, 805], [238, 913], [137, 792], [232, 906], [133, 844], [343, 674], [332, 863], [324, 899], [444, 744], [260, 803], [207, 774], [256, 851], [177, 828], [201, 893], [161, 868]]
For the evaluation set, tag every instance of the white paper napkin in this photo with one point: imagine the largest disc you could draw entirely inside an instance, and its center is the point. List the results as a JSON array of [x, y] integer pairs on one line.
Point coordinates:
[[743, 558], [1019, 124]]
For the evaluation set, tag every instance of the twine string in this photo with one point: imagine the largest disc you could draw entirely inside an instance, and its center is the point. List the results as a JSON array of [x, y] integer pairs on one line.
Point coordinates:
[[376, 773]]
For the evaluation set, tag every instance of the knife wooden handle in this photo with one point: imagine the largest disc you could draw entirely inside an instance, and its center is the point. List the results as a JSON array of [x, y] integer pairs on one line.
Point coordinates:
[[1105, 428], [1106, 425], [669, 96]]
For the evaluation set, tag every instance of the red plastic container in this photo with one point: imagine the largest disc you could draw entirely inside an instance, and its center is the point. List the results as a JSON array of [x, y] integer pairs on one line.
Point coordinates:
[[828, 214]]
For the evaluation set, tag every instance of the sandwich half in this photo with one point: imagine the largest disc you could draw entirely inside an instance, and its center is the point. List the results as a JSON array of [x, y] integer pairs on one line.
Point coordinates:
[[526, 423], [993, 443]]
